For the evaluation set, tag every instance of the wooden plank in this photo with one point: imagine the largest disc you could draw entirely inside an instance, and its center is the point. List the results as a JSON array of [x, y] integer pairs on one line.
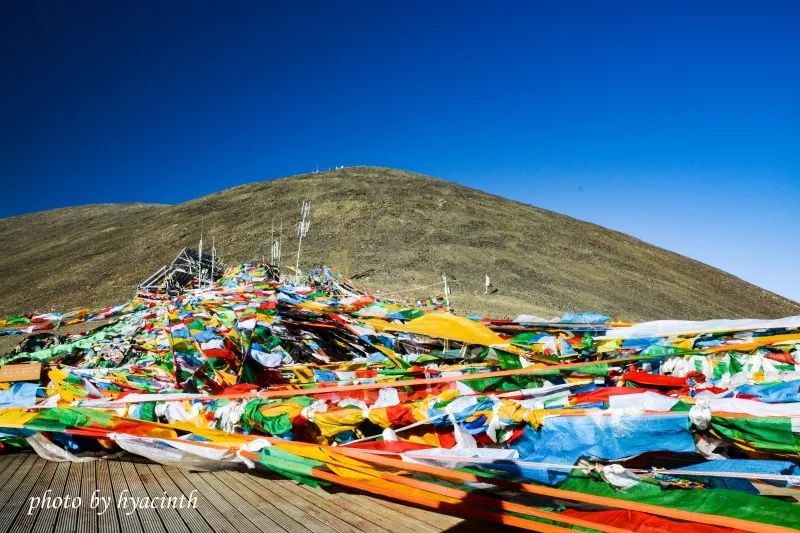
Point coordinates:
[[250, 523], [313, 501], [169, 517], [217, 520], [149, 518], [362, 510], [12, 464], [400, 521], [262, 521], [283, 512], [766, 489], [20, 372], [45, 521], [25, 521], [18, 504], [8, 487], [228, 502], [19, 486], [273, 490], [108, 521], [67, 521], [413, 515], [320, 496], [129, 522], [87, 517], [439, 521], [190, 516]]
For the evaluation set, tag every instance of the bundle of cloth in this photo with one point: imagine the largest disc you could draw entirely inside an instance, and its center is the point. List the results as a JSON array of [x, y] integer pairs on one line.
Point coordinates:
[[544, 424]]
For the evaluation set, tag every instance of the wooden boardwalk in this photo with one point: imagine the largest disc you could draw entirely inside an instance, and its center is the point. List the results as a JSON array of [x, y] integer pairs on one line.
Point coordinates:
[[227, 501]]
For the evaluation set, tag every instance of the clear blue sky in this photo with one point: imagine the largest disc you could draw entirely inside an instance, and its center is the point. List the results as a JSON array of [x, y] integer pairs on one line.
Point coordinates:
[[677, 122]]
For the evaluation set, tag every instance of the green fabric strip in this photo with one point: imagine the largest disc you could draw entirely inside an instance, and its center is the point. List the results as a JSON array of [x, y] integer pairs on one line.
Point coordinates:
[[723, 502], [290, 465], [765, 434]]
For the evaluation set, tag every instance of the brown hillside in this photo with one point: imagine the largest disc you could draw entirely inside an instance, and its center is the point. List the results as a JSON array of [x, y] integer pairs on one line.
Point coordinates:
[[405, 229]]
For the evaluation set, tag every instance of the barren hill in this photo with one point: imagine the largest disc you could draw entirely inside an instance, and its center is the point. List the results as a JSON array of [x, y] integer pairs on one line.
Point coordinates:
[[393, 230]]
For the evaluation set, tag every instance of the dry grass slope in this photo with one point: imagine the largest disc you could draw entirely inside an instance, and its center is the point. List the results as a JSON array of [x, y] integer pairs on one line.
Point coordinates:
[[404, 228]]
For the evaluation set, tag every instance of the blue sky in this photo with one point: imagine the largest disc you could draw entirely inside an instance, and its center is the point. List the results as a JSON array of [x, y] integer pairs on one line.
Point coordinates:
[[677, 122]]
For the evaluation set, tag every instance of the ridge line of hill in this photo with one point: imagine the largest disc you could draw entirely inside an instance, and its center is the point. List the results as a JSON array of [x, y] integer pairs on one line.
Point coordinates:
[[405, 228]]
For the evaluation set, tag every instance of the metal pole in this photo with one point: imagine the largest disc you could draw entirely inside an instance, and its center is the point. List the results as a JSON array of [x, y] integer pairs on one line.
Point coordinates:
[[302, 231], [176, 368], [213, 259], [200, 260]]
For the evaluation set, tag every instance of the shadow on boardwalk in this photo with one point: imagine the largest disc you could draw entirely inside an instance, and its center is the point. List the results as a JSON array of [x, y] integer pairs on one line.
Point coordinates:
[[33, 497]]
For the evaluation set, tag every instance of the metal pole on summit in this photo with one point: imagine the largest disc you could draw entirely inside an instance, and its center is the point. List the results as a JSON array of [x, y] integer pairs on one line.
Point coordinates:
[[213, 259], [279, 245], [275, 250], [175, 365], [200, 257], [302, 231]]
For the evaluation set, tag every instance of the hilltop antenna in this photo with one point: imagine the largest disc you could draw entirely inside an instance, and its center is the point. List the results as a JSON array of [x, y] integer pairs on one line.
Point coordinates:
[[271, 241], [302, 231], [200, 256], [276, 246], [213, 259]]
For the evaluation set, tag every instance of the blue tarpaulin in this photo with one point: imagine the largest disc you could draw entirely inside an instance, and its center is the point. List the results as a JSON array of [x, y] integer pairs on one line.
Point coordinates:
[[565, 439], [19, 395], [750, 466], [773, 393]]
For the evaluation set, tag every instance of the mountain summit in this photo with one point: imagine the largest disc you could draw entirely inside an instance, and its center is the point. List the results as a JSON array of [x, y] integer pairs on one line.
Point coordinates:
[[392, 230]]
